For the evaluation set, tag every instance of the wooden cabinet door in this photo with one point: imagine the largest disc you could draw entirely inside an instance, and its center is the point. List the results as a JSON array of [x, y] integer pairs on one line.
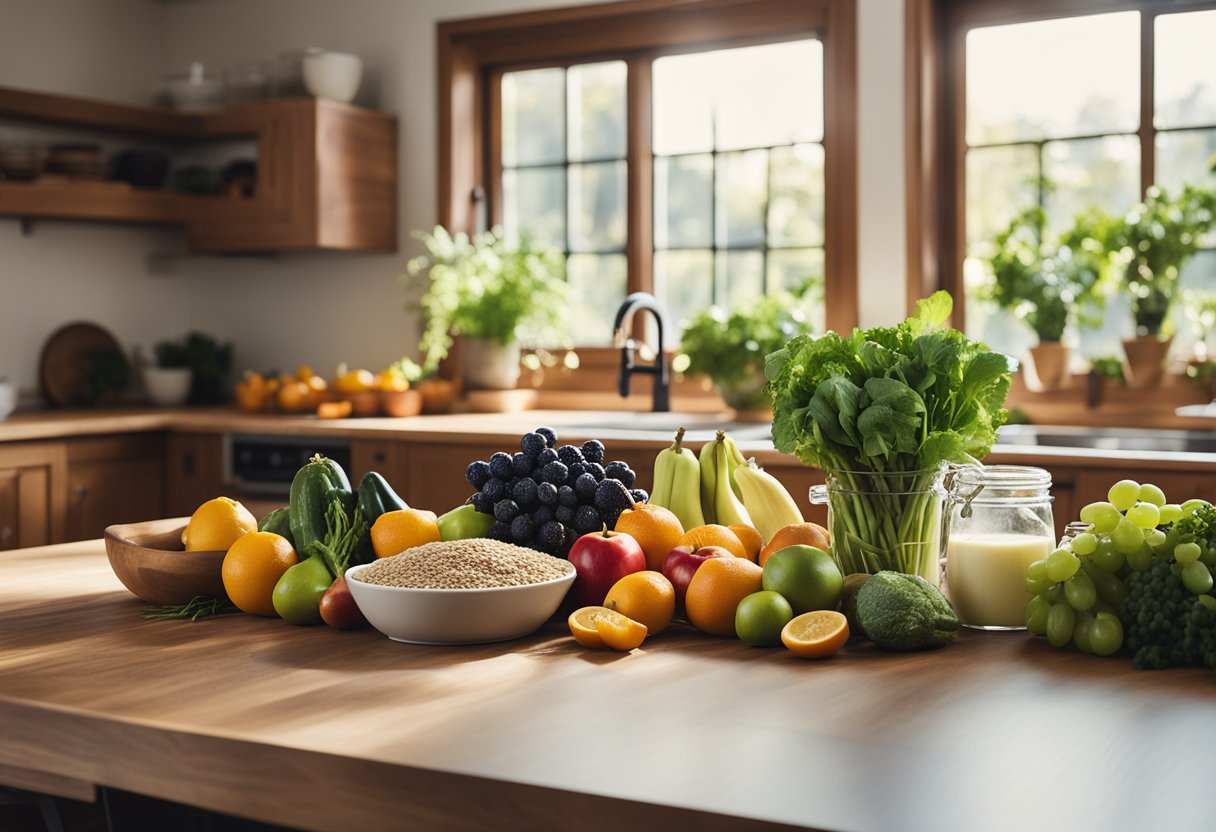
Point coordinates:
[[113, 491], [32, 491], [385, 456], [194, 471]]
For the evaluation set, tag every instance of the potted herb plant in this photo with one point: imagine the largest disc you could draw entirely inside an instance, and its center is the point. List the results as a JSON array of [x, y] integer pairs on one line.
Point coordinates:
[[168, 382], [1045, 283], [1153, 242], [495, 294], [729, 348]]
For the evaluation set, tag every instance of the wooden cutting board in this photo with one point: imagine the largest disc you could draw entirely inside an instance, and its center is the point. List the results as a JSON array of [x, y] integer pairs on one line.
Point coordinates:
[[64, 363]]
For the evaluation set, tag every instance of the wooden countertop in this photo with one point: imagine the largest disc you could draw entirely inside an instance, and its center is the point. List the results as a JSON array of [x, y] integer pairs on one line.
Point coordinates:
[[327, 730]]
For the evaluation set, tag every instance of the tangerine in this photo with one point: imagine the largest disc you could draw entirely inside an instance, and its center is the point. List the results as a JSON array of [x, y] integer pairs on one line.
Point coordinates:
[[646, 597], [750, 538], [656, 529], [252, 567], [395, 531], [795, 534], [716, 589], [713, 535]]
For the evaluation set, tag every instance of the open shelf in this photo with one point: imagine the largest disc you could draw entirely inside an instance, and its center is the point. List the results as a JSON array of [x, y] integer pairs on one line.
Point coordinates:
[[97, 115], [88, 200]]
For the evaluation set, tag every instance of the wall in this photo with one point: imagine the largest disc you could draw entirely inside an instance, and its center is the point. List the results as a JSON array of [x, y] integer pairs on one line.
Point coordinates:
[[318, 308]]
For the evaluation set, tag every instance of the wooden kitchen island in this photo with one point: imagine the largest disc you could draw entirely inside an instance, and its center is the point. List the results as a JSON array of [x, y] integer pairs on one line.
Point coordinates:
[[326, 730]]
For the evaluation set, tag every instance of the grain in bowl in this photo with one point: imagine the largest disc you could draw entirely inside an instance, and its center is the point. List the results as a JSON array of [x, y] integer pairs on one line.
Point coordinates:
[[477, 563]]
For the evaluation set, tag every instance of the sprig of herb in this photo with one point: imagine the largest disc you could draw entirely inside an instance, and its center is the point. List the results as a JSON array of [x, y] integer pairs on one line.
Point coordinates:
[[197, 607]]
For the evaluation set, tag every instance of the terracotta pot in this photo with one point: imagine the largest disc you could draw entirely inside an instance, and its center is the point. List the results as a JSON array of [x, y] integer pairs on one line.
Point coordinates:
[[438, 395], [1144, 365], [1050, 362], [401, 403], [489, 365]]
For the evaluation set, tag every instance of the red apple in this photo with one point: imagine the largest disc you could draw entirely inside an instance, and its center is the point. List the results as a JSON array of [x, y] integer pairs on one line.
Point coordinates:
[[601, 559], [682, 563], [338, 607]]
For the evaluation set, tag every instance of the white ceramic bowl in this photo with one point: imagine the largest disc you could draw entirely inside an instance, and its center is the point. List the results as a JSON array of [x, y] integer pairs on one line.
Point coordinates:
[[168, 386], [333, 75], [8, 398], [457, 616]]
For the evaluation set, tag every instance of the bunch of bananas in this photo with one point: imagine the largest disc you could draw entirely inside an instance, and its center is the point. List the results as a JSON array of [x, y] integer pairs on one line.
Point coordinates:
[[720, 487]]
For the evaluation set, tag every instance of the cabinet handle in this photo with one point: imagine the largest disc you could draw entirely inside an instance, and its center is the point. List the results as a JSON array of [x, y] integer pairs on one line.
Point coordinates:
[[82, 491], [6, 535], [381, 456], [188, 464]]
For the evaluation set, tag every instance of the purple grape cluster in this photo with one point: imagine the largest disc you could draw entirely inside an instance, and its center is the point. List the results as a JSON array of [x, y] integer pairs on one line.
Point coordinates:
[[545, 496]]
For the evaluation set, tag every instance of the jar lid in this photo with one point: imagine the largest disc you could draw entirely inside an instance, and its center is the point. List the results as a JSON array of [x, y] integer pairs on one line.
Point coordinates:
[[1004, 477]]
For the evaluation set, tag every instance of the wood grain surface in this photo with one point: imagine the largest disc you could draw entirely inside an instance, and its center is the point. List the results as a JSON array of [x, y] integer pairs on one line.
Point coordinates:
[[329, 730]]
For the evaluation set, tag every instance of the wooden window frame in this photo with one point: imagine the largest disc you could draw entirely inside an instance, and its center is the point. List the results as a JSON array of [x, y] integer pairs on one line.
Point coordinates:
[[472, 54], [935, 35]]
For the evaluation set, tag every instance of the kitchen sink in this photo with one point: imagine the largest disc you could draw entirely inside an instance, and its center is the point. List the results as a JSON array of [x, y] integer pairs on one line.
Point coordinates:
[[1109, 439], [699, 427]]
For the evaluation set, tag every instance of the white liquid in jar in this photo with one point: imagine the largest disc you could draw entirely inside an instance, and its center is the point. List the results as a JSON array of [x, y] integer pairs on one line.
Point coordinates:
[[986, 575]]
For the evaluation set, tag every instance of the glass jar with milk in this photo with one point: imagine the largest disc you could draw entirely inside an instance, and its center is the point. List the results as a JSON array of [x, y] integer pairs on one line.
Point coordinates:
[[1000, 524]]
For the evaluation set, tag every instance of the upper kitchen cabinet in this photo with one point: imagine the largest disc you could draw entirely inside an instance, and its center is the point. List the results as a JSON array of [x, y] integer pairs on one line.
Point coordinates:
[[326, 173]]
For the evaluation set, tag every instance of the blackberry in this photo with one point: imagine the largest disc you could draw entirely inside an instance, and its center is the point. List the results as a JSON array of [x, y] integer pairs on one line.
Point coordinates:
[[594, 469], [611, 496], [549, 434], [639, 495], [521, 529], [551, 536], [477, 473], [505, 511], [542, 515], [566, 496], [569, 454], [587, 520], [564, 514], [585, 487], [593, 450], [500, 531], [546, 493], [495, 489], [571, 536], [620, 471], [524, 492], [577, 470], [522, 464], [545, 457], [532, 444], [482, 503], [556, 473], [500, 465]]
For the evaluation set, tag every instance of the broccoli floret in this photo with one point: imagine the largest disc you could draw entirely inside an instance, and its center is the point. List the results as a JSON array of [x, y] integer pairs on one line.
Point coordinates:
[[905, 612], [1166, 625]]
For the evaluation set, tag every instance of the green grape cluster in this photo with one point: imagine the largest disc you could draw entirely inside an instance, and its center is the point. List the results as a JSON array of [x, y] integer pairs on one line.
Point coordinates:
[[1079, 588]]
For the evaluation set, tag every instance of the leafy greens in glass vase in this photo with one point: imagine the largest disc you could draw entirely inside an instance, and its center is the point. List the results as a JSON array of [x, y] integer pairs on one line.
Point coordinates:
[[884, 412]]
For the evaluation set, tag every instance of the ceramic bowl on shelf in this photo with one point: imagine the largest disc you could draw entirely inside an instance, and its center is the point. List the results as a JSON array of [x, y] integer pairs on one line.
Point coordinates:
[[152, 563], [22, 162], [8, 398], [168, 386], [333, 75], [457, 616], [194, 91]]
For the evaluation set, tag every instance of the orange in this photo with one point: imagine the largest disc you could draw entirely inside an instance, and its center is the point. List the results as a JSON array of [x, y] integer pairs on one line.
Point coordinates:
[[716, 589], [750, 538], [816, 635], [582, 626], [251, 569], [334, 410], [294, 396], [646, 597], [602, 627], [304, 373], [395, 531], [806, 534], [217, 524], [656, 529], [355, 381], [318, 391], [713, 535]]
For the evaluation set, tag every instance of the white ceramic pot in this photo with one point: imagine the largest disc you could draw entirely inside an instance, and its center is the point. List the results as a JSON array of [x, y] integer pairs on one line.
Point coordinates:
[[168, 386], [333, 75], [489, 365], [8, 398]]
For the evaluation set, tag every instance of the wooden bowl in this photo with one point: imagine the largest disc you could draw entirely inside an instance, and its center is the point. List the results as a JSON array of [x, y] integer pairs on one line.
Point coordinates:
[[151, 561], [401, 403], [366, 403]]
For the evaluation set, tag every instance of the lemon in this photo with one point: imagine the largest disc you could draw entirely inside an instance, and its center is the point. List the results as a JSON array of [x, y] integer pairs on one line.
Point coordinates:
[[217, 524]]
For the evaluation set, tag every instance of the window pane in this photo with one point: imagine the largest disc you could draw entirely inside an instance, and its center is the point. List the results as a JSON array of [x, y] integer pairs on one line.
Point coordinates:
[[683, 202], [729, 99], [1185, 80], [596, 105], [1000, 185], [597, 207], [683, 282], [597, 283], [534, 203], [742, 183], [1185, 158], [795, 207], [1053, 78], [1086, 173], [739, 277], [793, 269], [533, 120]]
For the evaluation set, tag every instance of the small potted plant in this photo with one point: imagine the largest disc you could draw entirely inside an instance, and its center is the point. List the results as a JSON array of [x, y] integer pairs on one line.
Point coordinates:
[[729, 348], [1152, 243], [168, 382], [1045, 284], [494, 293]]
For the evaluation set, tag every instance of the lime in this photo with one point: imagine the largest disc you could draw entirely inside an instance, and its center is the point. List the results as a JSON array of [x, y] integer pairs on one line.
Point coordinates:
[[807, 577], [760, 618]]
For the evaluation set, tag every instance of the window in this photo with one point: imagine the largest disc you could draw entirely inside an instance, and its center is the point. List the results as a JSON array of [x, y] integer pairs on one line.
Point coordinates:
[[1073, 112], [704, 152]]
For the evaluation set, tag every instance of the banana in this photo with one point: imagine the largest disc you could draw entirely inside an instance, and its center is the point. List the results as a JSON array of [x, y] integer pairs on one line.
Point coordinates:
[[709, 478], [769, 504], [677, 483], [733, 460], [728, 508]]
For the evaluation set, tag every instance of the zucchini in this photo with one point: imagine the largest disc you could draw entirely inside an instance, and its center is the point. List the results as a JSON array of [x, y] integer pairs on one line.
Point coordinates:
[[377, 497], [310, 496], [278, 522]]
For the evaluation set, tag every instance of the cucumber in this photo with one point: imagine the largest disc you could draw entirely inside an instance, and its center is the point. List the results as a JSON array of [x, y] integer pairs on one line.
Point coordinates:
[[377, 497], [278, 522], [310, 496]]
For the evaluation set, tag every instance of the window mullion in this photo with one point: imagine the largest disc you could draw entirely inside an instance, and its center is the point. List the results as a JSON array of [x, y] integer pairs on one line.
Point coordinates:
[[1148, 143], [639, 229], [493, 163]]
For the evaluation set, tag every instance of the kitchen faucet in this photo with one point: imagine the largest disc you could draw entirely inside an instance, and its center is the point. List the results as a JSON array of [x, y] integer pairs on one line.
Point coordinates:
[[662, 378]]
